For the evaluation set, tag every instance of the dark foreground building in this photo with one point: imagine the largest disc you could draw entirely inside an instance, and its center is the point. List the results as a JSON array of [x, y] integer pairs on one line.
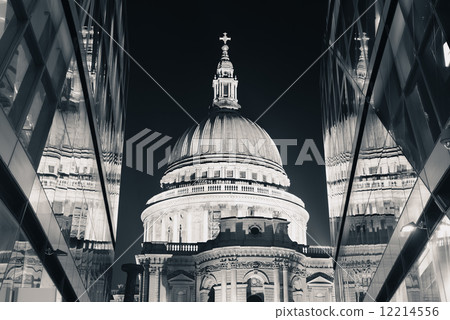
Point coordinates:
[[386, 108], [62, 98]]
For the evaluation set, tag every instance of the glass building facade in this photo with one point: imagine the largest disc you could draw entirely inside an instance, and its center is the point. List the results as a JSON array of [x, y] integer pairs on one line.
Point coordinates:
[[63, 86], [385, 105]]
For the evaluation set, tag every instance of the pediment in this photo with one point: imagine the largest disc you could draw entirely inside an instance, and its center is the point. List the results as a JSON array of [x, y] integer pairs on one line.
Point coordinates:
[[319, 278], [180, 278]]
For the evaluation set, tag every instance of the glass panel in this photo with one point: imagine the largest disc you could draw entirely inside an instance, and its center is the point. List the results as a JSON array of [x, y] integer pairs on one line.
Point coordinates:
[[436, 74], [6, 14], [42, 24], [22, 275], [22, 169], [417, 200], [429, 116], [13, 77], [400, 40], [32, 116], [39, 18], [29, 4], [421, 9], [8, 234], [370, 216], [89, 37], [429, 277], [8, 138], [347, 72], [69, 174], [60, 55], [382, 183], [409, 108], [105, 74], [410, 95]]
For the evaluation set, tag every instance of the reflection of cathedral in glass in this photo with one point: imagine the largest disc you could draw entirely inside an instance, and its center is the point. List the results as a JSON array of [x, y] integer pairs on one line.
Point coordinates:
[[383, 112], [69, 177], [225, 228], [61, 129], [382, 178]]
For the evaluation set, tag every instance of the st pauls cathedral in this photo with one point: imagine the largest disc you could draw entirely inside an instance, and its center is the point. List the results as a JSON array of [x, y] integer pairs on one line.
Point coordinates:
[[225, 227]]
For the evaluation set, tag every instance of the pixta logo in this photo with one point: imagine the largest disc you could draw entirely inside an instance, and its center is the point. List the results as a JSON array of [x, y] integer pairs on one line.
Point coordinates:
[[142, 147], [140, 150]]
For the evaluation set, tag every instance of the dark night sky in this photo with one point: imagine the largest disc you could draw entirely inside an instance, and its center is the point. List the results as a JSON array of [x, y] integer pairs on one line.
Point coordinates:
[[177, 43]]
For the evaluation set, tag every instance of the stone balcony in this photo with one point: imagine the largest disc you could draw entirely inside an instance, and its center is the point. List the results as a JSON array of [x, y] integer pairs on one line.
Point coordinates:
[[226, 188]]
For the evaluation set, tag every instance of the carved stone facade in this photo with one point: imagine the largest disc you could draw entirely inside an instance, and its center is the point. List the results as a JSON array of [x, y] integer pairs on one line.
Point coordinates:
[[192, 216], [252, 259]]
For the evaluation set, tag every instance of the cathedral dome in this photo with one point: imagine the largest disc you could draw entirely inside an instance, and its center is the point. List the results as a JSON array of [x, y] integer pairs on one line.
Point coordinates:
[[225, 146], [224, 134]]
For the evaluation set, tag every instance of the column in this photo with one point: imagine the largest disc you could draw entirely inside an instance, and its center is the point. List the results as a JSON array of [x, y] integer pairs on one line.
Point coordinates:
[[205, 226], [241, 210], [145, 279], [153, 285], [162, 286], [233, 284], [188, 215], [285, 284], [141, 281], [147, 231], [158, 284], [304, 230], [198, 280], [132, 271], [163, 230], [145, 237], [176, 229], [223, 285], [276, 284], [154, 291]]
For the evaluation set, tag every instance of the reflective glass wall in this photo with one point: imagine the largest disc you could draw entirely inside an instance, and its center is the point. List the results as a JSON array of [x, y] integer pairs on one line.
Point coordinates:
[[22, 275], [61, 138], [429, 278], [384, 109]]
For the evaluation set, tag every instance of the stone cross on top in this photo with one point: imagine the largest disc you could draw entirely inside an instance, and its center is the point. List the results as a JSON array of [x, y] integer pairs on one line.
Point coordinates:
[[225, 38], [361, 38]]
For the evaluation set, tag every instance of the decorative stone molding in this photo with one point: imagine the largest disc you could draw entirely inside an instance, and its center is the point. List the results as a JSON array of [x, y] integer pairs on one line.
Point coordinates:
[[279, 254], [274, 173], [298, 272], [208, 282], [258, 274]]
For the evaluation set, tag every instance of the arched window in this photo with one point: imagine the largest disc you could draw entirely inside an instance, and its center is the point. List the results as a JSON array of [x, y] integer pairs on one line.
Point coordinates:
[[255, 290], [225, 90]]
